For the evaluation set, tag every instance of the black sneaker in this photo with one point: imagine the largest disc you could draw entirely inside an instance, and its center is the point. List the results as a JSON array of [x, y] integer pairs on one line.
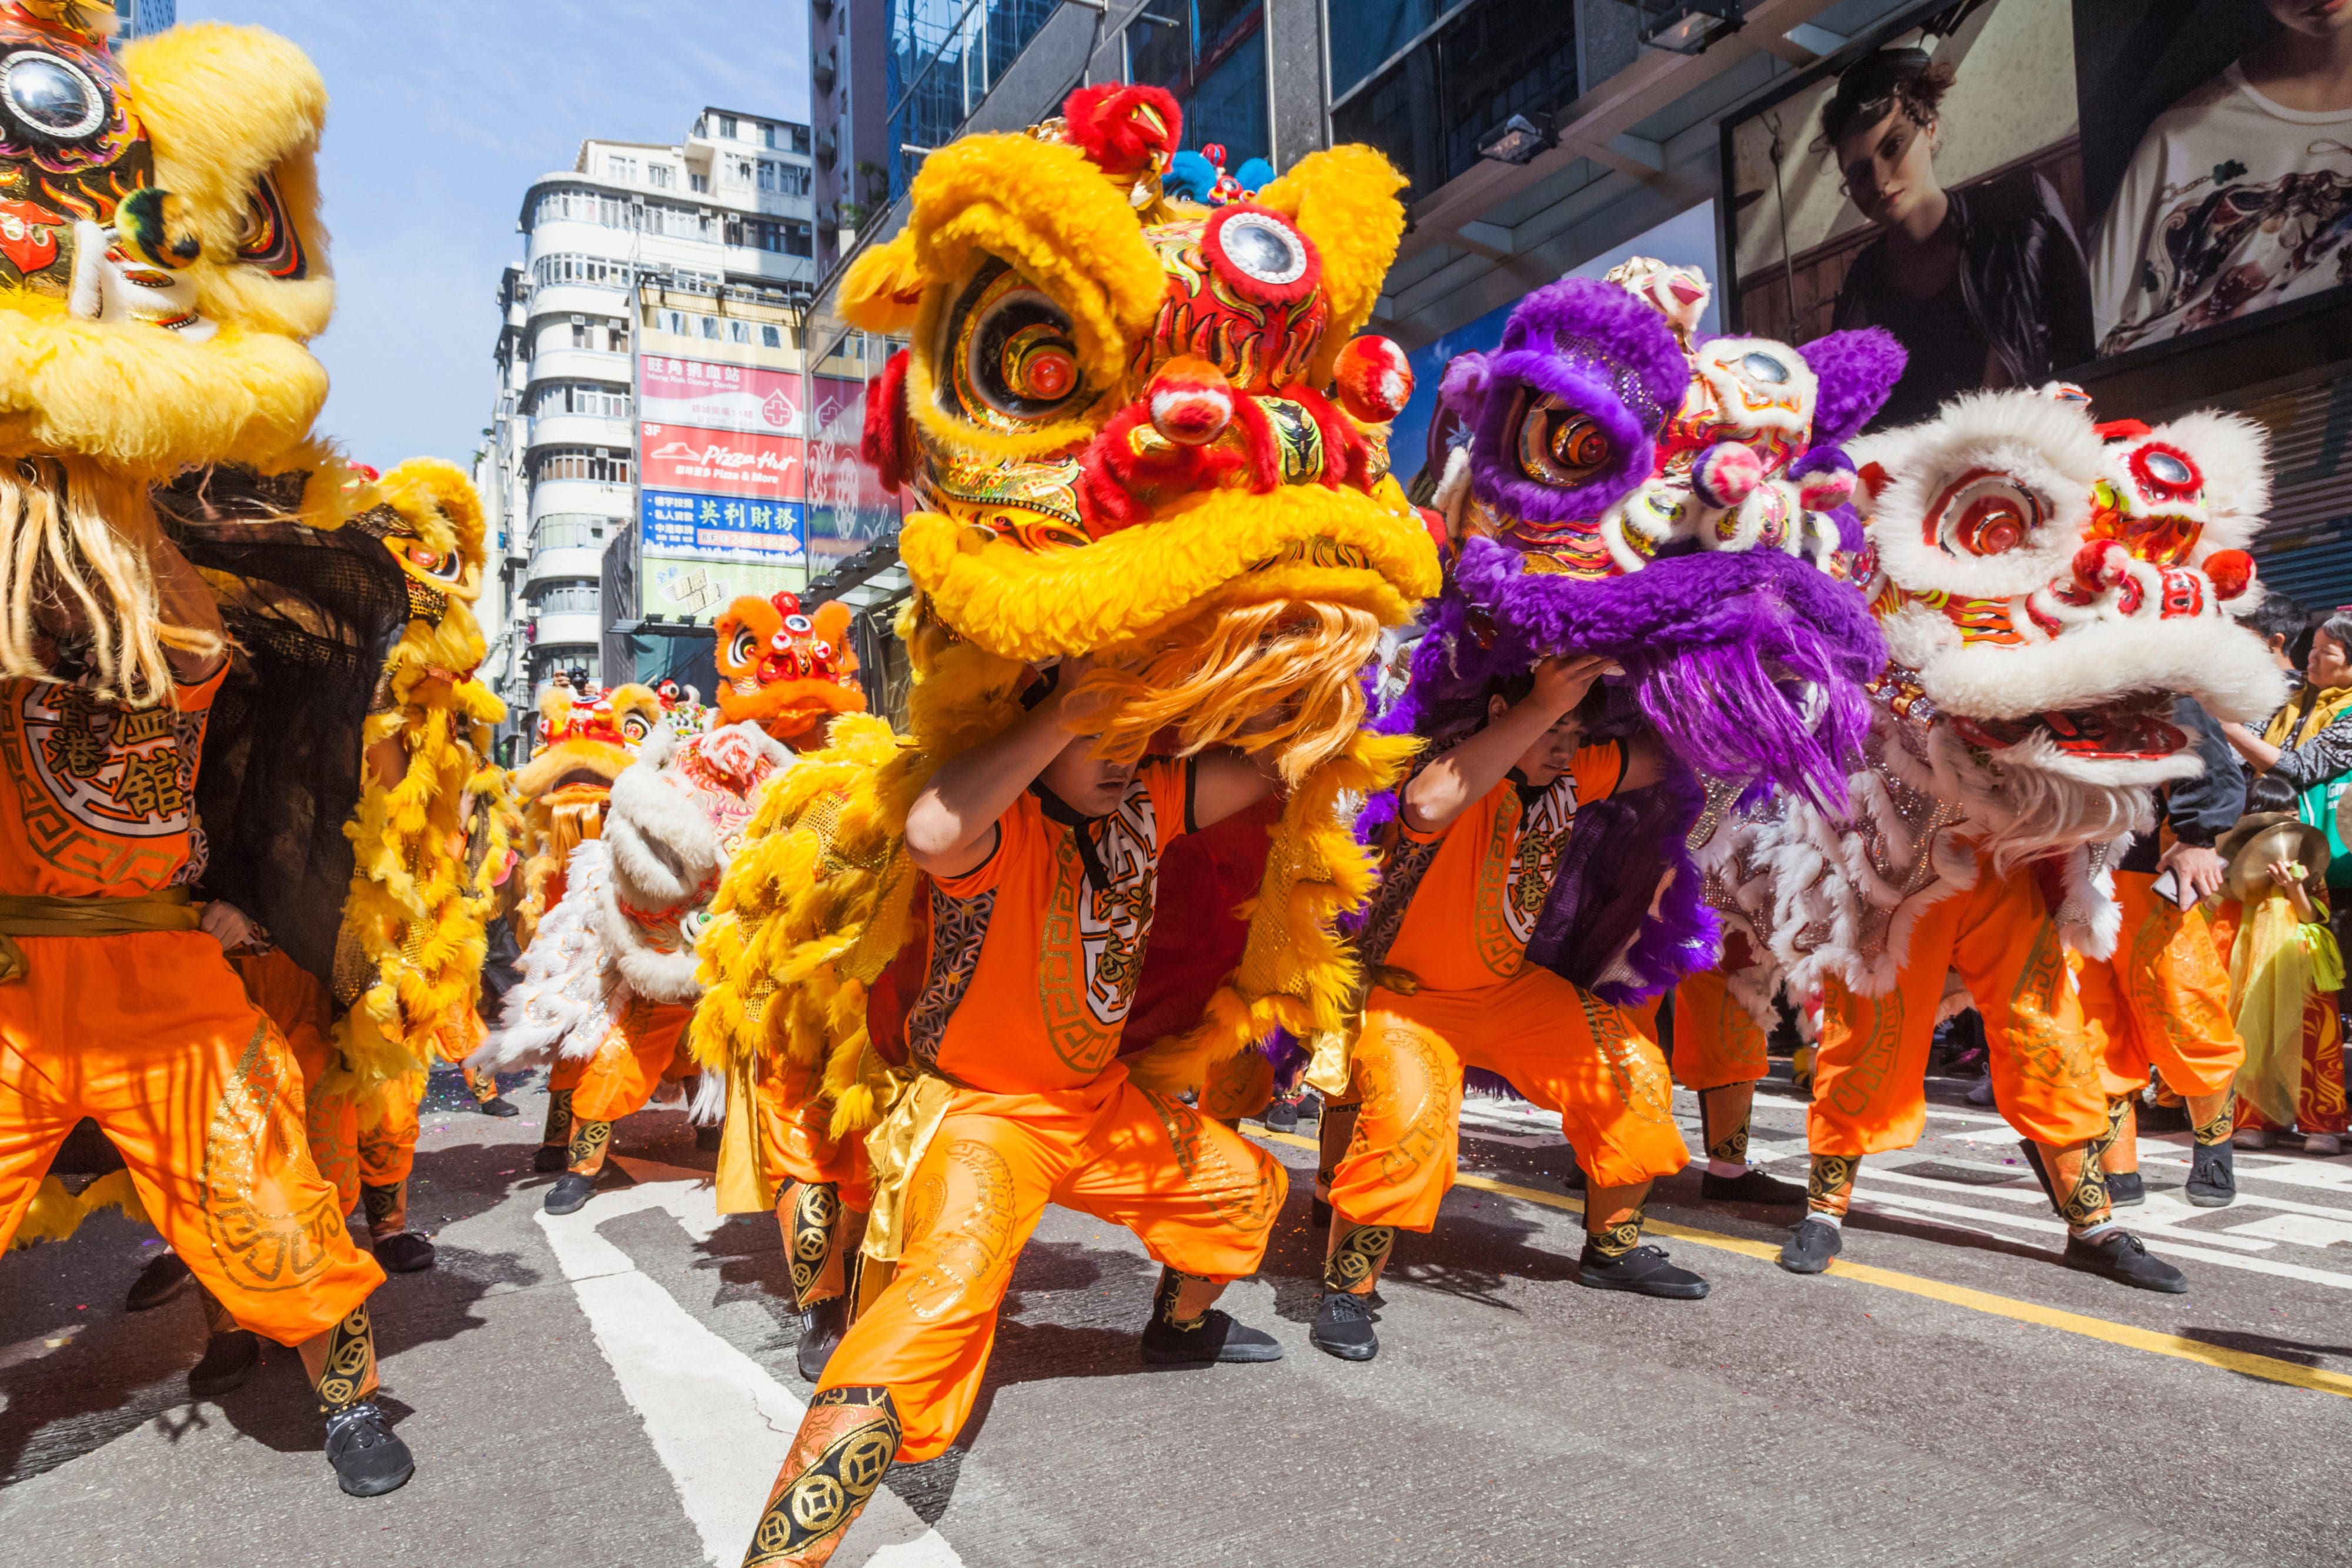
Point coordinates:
[[1310, 1106], [405, 1252], [1343, 1326], [369, 1460], [826, 1323], [2125, 1259], [707, 1138], [1282, 1116], [495, 1106], [1811, 1246], [229, 1359], [548, 1158], [1749, 1187], [2125, 1190], [162, 1279], [1215, 1338], [2213, 1177], [1644, 1272], [571, 1193]]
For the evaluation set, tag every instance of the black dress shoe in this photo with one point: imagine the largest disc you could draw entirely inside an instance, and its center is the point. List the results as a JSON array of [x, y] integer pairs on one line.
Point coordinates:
[[2213, 1177], [1282, 1116], [229, 1359], [827, 1322], [1749, 1187], [2125, 1259], [1811, 1246], [497, 1105], [1215, 1338], [369, 1460], [1343, 1326], [548, 1158], [2126, 1189], [1644, 1272], [405, 1252], [570, 1194], [162, 1279]]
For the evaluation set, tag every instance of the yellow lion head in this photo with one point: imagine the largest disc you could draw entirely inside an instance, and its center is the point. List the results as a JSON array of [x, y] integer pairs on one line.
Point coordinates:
[[1124, 420]]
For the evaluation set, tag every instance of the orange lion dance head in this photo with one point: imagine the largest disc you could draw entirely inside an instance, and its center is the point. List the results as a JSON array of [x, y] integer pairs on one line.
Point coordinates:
[[786, 672]]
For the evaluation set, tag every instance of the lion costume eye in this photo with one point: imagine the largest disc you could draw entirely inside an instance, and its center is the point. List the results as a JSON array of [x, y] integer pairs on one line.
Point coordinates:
[[1984, 513], [267, 240], [53, 98], [446, 568], [743, 649], [636, 726], [1559, 444], [1013, 361]]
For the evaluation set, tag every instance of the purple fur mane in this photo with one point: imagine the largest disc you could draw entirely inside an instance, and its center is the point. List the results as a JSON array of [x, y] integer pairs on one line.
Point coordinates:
[[1604, 353], [1857, 370]]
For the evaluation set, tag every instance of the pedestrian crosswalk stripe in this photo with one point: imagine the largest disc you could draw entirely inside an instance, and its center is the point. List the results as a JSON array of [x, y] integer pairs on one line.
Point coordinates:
[[2245, 1362]]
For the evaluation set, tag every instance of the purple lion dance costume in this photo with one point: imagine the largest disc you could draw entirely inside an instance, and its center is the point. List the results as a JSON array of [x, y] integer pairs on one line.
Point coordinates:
[[1621, 485]]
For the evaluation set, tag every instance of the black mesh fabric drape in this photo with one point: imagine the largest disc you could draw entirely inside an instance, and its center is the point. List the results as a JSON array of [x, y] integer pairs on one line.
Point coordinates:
[[312, 614]]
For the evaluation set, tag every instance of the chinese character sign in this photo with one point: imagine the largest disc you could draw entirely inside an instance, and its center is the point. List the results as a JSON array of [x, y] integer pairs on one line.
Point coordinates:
[[722, 528], [719, 462], [707, 396]]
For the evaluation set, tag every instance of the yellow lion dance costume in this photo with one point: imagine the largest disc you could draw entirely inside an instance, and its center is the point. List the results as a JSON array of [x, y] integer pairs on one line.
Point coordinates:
[[162, 267], [1140, 435]]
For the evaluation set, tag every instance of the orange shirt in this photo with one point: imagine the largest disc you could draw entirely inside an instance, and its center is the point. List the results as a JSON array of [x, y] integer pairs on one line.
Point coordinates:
[[1032, 966], [1482, 881], [101, 800]]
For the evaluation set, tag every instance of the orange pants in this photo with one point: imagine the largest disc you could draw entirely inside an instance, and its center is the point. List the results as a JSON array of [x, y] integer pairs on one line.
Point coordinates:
[[1239, 1086], [2163, 1000], [150, 1035], [381, 1152], [1716, 1041], [796, 1142], [1201, 1198], [1562, 1048], [644, 1045], [1870, 1073]]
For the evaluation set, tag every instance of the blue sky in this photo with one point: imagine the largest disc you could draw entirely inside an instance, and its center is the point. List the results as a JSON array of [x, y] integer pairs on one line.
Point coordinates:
[[444, 111]]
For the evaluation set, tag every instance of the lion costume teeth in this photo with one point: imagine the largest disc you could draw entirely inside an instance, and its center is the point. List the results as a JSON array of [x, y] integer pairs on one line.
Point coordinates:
[[1123, 423]]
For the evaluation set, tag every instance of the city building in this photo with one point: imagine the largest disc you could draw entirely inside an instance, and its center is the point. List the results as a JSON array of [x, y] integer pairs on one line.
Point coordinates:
[[137, 18], [650, 414], [1542, 140]]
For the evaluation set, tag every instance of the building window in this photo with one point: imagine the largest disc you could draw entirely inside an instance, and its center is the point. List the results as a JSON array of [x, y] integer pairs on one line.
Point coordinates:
[[787, 236], [940, 61], [710, 327], [1433, 109], [699, 182], [567, 598], [660, 176], [727, 128], [674, 322], [570, 530], [581, 397], [800, 138], [579, 462], [592, 270], [772, 337], [618, 168], [1212, 55]]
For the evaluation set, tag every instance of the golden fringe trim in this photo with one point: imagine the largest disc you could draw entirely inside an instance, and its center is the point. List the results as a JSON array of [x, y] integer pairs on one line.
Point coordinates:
[[56, 1214]]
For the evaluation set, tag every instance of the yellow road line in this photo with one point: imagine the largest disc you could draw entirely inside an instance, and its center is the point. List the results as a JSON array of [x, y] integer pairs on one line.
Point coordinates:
[[2180, 1349]]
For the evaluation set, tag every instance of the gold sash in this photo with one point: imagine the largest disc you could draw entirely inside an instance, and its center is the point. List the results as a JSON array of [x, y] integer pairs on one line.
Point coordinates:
[[32, 914]]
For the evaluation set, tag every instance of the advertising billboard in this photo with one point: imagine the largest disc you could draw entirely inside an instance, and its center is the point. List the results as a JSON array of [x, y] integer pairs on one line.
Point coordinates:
[[683, 586], [681, 458], [719, 527], [848, 507], [2023, 190], [708, 396]]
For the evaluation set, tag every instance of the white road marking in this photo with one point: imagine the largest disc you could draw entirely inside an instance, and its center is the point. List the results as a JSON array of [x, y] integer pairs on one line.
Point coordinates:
[[719, 1423]]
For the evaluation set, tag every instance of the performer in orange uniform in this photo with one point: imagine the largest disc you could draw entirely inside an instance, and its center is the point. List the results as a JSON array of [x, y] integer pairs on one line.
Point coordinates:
[[1719, 1053], [1042, 859], [1476, 844], [143, 1026]]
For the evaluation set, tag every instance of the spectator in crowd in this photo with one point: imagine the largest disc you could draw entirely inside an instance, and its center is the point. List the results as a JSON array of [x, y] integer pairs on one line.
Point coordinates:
[[2286, 973]]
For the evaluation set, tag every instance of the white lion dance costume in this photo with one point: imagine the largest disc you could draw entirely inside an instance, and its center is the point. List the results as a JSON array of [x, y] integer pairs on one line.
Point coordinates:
[[2047, 586]]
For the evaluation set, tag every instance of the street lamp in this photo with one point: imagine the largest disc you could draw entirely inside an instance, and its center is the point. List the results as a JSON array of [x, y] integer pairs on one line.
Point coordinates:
[[1688, 26], [1525, 136]]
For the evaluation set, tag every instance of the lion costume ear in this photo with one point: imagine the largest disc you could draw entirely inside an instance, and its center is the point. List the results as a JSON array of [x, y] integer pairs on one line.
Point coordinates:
[[883, 291], [1345, 200], [832, 624]]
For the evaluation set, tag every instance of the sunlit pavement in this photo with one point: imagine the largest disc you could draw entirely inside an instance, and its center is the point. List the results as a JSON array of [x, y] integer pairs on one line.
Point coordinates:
[[615, 1388]]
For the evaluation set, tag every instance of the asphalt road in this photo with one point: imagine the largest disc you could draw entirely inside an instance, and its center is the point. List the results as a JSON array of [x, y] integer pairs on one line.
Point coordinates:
[[613, 1390]]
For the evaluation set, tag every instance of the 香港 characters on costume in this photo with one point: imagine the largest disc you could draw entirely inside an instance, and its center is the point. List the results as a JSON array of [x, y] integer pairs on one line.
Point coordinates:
[[2048, 586], [162, 267], [1155, 547], [1624, 497], [608, 983]]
